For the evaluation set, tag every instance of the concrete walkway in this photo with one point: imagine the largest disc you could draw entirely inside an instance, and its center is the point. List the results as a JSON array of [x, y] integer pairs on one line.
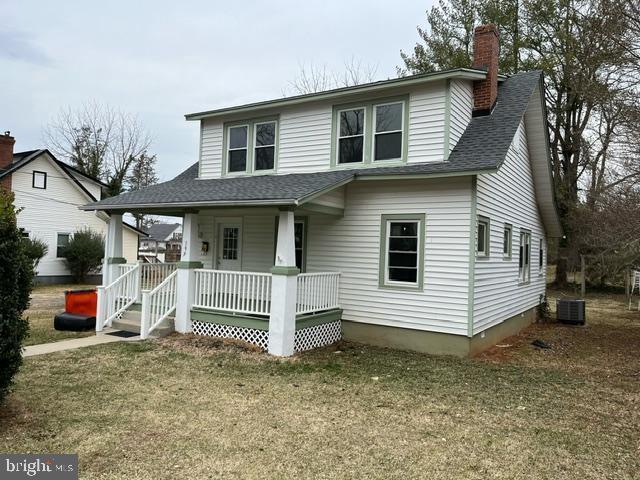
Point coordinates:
[[72, 344]]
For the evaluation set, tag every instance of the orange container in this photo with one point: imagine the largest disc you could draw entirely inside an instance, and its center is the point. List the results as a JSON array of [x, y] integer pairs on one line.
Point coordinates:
[[81, 302]]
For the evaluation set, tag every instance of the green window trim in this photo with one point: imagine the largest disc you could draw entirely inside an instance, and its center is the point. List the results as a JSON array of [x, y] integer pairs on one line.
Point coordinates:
[[250, 165], [509, 254], [487, 237], [369, 137], [524, 274], [382, 266]]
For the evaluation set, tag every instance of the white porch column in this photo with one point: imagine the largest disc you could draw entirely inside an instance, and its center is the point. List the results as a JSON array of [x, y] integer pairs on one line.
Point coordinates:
[[186, 278], [112, 249], [284, 285]]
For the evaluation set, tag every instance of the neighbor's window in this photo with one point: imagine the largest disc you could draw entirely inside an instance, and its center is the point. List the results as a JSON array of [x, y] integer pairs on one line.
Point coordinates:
[[402, 256], [507, 241], [388, 131], [351, 136], [237, 150], [39, 180], [63, 241], [482, 244], [525, 257], [265, 145]]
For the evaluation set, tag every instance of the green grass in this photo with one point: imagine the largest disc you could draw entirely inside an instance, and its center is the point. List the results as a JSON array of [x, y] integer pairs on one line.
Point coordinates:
[[181, 408], [46, 302]]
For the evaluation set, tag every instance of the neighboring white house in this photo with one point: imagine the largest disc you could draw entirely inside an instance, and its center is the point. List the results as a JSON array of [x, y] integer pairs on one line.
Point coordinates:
[[411, 213], [162, 243], [49, 192]]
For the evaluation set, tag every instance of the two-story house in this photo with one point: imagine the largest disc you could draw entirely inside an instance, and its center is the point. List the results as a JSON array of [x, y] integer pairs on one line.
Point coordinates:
[[411, 213], [48, 193], [162, 244]]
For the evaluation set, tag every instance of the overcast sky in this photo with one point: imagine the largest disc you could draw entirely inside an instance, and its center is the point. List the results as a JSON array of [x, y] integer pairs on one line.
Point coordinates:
[[161, 59]]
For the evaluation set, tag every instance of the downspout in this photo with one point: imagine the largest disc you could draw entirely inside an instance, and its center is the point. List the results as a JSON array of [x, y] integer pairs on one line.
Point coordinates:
[[472, 254]]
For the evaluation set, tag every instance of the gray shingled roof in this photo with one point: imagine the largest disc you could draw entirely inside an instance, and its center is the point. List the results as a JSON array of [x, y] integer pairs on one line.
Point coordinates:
[[160, 231], [482, 147]]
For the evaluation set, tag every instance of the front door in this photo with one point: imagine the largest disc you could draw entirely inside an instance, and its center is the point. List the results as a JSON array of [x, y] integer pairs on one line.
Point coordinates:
[[229, 246]]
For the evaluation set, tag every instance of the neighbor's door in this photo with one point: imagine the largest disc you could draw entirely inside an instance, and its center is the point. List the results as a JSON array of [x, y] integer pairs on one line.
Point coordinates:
[[229, 246]]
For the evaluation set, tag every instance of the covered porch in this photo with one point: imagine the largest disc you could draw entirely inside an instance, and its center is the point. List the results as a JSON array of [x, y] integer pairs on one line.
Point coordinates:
[[242, 275]]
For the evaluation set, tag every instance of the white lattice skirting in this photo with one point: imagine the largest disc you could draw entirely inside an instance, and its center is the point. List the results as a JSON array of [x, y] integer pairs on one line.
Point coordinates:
[[249, 335], [317, 336], [305, 339]]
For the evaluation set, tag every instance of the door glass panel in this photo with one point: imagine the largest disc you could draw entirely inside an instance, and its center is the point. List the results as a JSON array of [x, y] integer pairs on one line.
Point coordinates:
[[230, 243]]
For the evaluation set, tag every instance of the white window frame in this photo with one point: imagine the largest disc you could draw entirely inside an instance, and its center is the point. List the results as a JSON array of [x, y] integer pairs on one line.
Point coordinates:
[[524, 257], [419, 230], [375, 133], [363, 135], [508, 254], [229, 149], [255, 146], [58, 243], [487, 237]]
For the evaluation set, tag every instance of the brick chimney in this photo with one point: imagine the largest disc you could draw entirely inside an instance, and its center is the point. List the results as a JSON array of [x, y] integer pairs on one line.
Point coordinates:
[[6, 157], [486, 51]]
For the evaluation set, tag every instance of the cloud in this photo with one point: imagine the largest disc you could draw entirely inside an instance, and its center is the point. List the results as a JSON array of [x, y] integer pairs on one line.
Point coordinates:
[[18, 46]]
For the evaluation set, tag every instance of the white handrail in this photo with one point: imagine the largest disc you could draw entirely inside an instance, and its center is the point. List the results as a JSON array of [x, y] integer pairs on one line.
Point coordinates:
[[117, 297], [230, 291], [317, 292], [158, 304]]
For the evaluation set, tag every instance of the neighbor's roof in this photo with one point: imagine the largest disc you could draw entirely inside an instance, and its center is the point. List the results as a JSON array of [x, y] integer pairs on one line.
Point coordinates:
[[160, 231], [481, 149], [366, 88]]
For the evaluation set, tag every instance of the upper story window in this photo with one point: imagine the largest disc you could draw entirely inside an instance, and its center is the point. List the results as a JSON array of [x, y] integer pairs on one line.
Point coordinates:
[[388, 132], [265, 145], [371, 132], [251, 147], [237, 154], [39, 180], [351, 138]]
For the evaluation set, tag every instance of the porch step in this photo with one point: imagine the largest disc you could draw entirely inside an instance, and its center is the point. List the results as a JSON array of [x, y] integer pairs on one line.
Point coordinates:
[[130, 322]]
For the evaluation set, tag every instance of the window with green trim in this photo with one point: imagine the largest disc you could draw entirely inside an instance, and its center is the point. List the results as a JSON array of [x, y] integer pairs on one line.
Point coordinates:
[[251, 146], [351, 136], [483, 241], [507, 241], [524, 267], [387, 137], [402, 245]]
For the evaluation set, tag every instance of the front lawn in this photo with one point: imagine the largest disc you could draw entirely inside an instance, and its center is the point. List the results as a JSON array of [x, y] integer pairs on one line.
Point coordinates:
[[46, 302], [180, 408]]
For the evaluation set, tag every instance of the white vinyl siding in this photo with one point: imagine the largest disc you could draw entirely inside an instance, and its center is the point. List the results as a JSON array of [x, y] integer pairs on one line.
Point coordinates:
[[211, 135], [351, 245], [461, 97], [55, 210], [426, 124], [507, 197]]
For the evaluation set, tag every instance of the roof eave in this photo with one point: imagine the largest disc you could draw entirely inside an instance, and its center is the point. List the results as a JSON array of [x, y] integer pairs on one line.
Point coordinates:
[[188, 205], [462, 73]]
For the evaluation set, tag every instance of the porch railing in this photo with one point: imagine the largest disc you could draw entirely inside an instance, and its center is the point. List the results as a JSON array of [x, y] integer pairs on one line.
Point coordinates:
[[317, 292], [237, 292], [158, 304], [115, 298]]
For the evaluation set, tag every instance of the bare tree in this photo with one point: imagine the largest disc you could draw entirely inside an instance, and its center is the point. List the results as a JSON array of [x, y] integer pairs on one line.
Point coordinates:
[[314, 78], [99, 140]]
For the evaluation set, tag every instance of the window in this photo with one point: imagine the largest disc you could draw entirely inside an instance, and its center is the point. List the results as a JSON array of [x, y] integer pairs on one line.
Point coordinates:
[[525, 257], [507, 241], [237, 153], [300, 241], [483, 240], [24, 233], [63, 241], [351, 137], [541, 258], [387, 137], [39, 180], [265, 145], [402, 244], [230, 237]]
